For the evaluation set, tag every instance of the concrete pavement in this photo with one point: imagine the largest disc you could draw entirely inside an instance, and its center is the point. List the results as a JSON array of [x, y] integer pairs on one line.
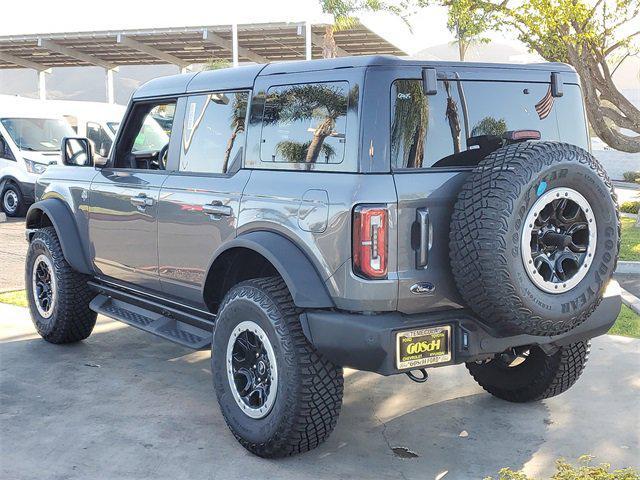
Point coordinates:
[[127, 405]]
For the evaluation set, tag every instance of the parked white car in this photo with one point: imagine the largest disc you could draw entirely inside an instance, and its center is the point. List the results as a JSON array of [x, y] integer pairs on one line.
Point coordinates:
[[96, 121], [30, 136]]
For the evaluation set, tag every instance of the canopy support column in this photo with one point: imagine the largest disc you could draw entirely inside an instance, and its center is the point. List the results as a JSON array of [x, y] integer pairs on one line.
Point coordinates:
[[42, 84], [307, 40], [110, 90], [234, 46]]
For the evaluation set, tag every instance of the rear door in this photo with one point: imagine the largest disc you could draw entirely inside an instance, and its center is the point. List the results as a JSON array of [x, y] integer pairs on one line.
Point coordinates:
[[436, 141], [124, 198], [199, 202]]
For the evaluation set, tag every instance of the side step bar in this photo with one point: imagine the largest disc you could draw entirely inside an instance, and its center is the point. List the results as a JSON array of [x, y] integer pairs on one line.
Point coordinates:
[[170, 328]]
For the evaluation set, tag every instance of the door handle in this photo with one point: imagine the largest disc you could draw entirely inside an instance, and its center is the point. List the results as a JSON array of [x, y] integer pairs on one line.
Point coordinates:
[[141, 201], [424, 245], [217, 210]]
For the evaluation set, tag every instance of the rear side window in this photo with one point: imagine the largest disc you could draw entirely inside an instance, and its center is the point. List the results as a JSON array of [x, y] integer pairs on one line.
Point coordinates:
[[213, 133], [462, 123], [305, 123], [424, 128]]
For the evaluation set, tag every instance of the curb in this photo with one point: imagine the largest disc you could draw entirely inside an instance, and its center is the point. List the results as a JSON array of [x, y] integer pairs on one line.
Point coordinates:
[[628, 267], [623, 184], [628, 215], [630, 300]]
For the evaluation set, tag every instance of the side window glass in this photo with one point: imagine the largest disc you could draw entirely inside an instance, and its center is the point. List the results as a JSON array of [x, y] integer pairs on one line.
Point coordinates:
[[306, 123], [213, 132], [5, 150], [101, 140], [425, 129], [497, 107], [145, 142], [155, 129]]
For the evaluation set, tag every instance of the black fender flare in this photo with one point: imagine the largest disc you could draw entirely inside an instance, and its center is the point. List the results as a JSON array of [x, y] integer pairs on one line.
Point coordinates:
[[64, 223], [303, 281]]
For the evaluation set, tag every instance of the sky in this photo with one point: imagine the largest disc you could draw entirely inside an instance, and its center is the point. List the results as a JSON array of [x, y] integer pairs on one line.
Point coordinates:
[[428, 25]]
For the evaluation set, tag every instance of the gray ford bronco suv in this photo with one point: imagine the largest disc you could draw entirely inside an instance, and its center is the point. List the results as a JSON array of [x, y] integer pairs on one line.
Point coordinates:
[[376, 213]]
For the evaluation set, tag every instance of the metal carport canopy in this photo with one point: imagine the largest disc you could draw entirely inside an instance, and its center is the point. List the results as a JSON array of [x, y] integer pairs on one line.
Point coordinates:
[[258, 42]]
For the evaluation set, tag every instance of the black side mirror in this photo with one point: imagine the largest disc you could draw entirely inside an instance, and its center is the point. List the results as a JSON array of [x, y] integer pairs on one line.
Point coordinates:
[[77, 152], [429, 81]]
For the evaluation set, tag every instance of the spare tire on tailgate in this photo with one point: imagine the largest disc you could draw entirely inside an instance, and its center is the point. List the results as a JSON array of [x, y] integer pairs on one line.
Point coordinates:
[[535, 237]]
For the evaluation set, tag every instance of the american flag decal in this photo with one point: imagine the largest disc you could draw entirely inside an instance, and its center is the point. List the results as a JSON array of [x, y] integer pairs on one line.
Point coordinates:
[[545, 105]]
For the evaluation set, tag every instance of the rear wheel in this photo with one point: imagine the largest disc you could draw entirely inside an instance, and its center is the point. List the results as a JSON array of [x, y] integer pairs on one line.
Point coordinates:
[[13, 202], [528, 374], [58, 296], [534, 238], [277, 394]]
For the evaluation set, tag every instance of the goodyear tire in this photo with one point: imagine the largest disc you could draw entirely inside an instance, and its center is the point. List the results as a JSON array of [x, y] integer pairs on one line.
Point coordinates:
[[535, 237], [58, 296], [532, 376], [277, 394]]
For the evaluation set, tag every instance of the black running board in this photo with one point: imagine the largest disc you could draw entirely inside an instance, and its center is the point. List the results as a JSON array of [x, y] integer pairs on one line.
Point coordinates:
[[153, 322]]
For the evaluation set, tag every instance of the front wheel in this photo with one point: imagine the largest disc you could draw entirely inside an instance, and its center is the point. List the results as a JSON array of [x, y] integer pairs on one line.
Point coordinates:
[[58, 296], [278, 395], [528, 374]]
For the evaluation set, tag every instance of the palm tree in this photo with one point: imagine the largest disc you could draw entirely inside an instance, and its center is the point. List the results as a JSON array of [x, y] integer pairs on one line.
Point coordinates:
[[324, 103], [410, 123], [238, 116], [344, 17]]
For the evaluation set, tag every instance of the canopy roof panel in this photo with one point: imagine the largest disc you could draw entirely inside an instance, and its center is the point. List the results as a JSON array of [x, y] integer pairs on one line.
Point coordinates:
[[259, 43]]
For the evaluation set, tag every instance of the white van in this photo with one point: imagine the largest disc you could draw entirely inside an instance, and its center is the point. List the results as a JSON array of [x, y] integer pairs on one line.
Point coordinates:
[[30, 136], [96, 121]]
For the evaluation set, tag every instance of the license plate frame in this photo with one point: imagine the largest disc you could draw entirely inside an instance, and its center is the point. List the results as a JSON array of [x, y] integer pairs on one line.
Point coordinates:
[[427, 352]]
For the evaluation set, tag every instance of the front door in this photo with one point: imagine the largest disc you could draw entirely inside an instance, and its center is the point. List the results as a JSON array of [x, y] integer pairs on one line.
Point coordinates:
[[124, 197], [200, 201]]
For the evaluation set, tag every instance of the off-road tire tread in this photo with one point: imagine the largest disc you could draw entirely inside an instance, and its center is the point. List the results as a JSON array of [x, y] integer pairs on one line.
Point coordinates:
[[320, 382], [560, 371], [479, 224], [74, 321]]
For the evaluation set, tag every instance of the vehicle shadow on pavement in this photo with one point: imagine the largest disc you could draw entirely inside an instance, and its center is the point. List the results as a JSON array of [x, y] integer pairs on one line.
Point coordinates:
[[123, 404]]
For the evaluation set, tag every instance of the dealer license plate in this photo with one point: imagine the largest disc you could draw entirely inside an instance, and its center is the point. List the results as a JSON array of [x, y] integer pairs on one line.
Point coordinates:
[[423, 347]]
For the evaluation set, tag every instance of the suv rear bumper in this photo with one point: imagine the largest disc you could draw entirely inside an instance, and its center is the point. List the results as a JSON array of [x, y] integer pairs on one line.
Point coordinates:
[[367, 342]]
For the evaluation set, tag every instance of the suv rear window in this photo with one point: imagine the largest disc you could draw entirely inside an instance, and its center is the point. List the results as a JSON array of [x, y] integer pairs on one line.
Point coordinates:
[[305, 123], [455, 127]]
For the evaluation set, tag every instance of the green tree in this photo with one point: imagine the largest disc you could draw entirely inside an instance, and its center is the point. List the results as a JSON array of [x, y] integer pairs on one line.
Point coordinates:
[[216, 64], [469, 21], [595, 37], [345, 13]]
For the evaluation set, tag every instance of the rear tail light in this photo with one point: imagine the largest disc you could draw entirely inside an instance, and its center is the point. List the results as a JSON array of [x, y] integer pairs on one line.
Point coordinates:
[[370, 241]]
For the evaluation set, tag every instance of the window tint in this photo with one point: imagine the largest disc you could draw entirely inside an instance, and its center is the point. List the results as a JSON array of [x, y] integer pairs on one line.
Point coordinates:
[[100, 138], [5, 150], [571, 117], [152, 136], [496, 107], [144, 143], [306, 123], [213, 134], [37, 134], [425, 128], [431, 131]]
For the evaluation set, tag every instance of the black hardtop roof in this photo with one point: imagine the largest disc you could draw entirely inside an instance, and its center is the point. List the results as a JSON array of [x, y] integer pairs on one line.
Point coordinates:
[[243, 77]]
